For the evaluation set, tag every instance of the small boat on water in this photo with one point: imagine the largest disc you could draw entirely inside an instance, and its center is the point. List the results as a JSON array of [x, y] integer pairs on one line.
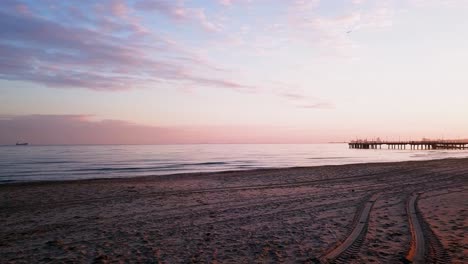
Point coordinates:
[[22, 143]]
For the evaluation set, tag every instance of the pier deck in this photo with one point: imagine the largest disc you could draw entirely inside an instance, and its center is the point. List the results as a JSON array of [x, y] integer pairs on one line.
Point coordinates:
[[422, 145]]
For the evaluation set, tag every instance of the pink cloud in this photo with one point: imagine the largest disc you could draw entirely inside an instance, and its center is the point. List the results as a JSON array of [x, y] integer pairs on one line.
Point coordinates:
[[226, 2], [177, 11], [81, 129], [23, 9], [57, 55], [119, 8]]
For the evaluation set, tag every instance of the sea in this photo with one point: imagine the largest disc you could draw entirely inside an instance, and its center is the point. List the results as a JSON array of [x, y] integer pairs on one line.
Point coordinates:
[[47, 163]]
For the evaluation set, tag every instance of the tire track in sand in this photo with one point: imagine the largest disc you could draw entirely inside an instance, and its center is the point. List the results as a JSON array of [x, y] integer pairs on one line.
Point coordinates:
[[425, 246], [351, 244]]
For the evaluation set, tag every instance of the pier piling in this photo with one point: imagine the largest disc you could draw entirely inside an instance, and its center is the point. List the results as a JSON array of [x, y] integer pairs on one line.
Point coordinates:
[[413, 145]]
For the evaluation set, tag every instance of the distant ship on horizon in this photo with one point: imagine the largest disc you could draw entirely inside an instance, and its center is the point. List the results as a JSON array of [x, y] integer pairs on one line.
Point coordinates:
[[22, 143]]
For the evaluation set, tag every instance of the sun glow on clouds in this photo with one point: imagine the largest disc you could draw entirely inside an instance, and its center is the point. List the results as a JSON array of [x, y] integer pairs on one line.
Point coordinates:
[[279, 61]]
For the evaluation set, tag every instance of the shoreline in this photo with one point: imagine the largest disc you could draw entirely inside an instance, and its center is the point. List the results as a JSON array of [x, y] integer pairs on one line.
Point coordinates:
[[205, 173], [265, 215]]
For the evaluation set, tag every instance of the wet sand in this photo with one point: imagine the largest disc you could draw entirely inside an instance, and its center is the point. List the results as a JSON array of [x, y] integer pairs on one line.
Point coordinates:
[[295, 215]]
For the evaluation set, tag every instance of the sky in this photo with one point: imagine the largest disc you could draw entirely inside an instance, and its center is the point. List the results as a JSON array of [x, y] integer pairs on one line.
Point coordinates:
[[232, 71]]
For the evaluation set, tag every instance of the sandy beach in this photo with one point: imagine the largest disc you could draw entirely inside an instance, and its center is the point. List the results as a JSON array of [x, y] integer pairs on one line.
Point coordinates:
[[340, 214]]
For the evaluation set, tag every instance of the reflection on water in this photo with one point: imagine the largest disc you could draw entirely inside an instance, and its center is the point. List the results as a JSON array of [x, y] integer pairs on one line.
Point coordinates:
[[31, 163]]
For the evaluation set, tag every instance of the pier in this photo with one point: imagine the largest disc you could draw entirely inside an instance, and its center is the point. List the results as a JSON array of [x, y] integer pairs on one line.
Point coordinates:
[[413, 145]]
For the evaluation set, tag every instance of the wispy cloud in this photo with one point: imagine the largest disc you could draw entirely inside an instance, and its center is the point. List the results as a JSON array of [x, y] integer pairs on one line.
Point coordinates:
[[178, 11], [100, 54], [320, 105], [330, 32], [301, 100], [439, 3], [108, 46], [226, 2]]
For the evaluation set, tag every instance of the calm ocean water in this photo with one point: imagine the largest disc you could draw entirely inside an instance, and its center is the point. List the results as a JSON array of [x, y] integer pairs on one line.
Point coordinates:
[[38, 163]]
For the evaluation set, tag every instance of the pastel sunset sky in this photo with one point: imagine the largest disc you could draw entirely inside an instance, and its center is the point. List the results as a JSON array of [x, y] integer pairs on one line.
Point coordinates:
[[232, 71]]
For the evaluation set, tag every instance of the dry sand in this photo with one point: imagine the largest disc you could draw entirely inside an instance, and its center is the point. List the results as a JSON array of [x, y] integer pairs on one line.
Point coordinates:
[[296, 215]]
